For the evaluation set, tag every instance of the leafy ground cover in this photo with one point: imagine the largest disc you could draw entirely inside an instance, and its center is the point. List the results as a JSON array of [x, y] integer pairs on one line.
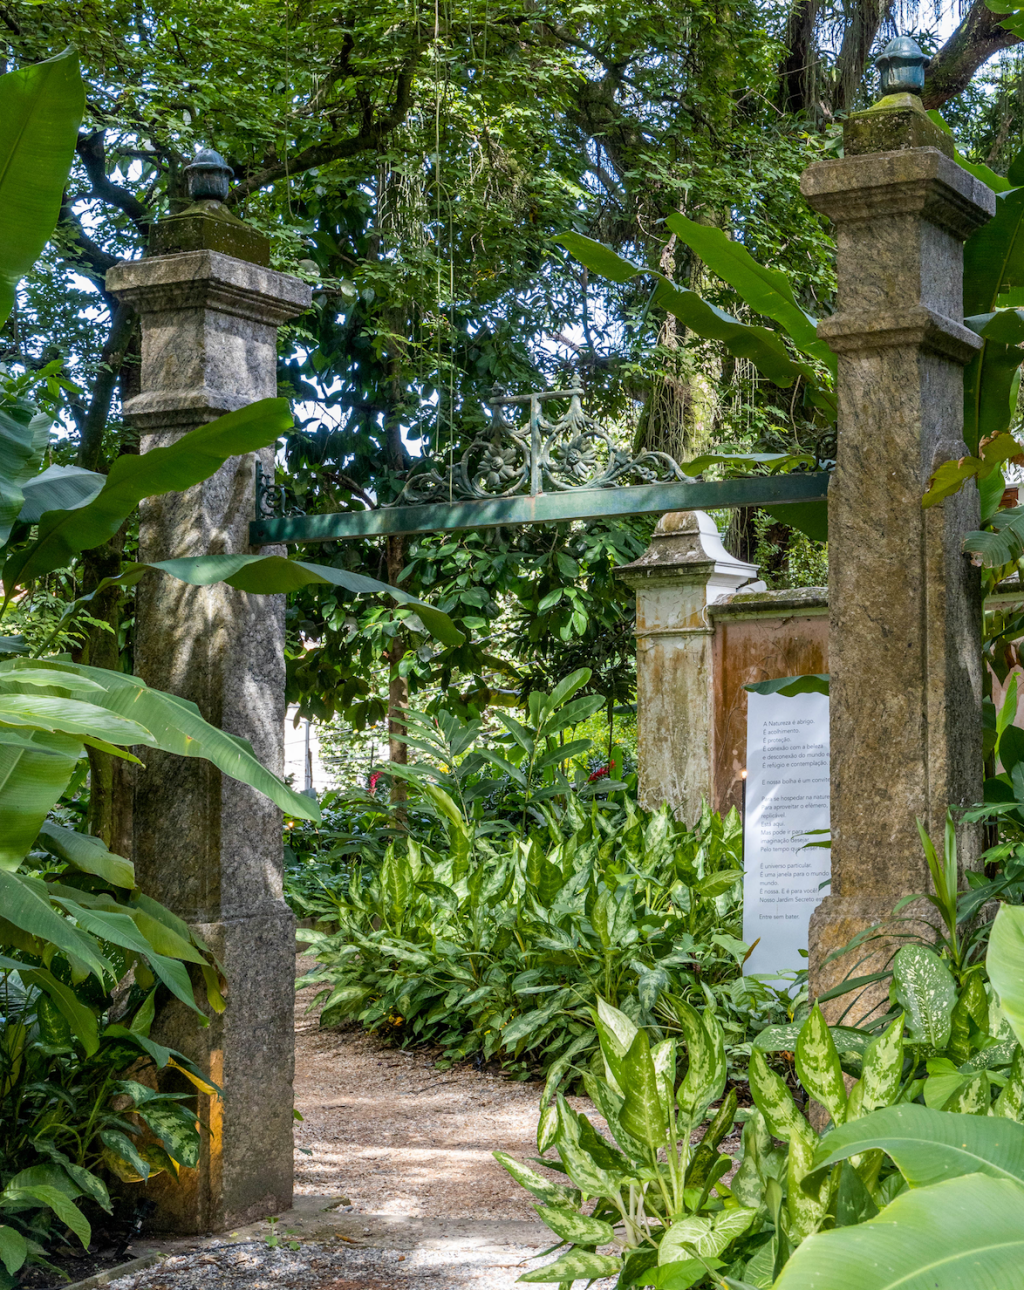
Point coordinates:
[[517, 889]]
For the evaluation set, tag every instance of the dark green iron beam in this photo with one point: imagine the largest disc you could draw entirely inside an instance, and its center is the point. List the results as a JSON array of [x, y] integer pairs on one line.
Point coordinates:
[[545, 508]]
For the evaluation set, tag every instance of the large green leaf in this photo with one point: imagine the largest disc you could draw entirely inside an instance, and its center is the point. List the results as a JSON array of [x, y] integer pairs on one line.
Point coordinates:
[[1005, 964], [273, 574], [34, 770], [88, 854], [994, 255], [13, 1248], [70, 717], [24, 903], [173, 725], [193, 458], [766, 291], [964, 1234], [990, 385], [22, 444], [23, 441], [78, 1015], [120, 929], [59, 488], [41, 107], [929, 1145], [813, 683], [42, 1195], [761, 346]]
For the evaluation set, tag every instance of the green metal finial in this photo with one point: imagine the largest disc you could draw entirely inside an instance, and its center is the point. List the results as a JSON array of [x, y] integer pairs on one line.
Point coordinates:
[[901, 67], [209, 176]]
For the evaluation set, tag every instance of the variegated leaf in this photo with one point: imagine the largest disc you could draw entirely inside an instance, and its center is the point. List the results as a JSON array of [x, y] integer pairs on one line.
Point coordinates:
[[1010, 1102], [926, 990], [576, 1228], [709, 1236], [547, 1127], [807, 1208], [775, 1102], [584, 1171], [643, 1113], [881, 1073], [575, 1266], [817, 1064], [549, 1192]]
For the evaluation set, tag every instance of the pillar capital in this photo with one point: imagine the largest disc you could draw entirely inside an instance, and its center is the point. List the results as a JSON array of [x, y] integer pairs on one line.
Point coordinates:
[[209, 334], [686, 550]]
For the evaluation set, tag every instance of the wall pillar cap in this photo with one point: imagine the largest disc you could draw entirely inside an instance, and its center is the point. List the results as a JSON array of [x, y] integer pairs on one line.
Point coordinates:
[[206, 279], [686, 549], [920, 182]]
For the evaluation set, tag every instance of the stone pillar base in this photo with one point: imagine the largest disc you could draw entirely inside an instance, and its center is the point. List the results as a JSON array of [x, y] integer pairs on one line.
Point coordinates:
[[248, 1050], [836, 921]]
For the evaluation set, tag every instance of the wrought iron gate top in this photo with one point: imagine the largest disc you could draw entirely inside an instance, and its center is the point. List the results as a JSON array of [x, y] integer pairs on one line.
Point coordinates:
[[544, 456]]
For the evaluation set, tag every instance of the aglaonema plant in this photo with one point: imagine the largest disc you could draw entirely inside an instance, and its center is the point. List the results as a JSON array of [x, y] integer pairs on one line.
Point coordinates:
[[649, 1191], [957, 1217]]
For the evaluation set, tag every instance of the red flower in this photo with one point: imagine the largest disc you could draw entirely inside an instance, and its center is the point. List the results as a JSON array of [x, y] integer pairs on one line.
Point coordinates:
[[373, 780], [599, 774]]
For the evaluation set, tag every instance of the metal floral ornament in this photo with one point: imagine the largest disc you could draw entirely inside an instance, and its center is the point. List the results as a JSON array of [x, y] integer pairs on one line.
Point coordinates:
[[901, 67], [542, 456]]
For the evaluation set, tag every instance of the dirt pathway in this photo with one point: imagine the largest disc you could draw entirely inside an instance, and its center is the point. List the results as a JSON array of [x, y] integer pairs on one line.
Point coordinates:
[[396, 1136], [395, 1184]]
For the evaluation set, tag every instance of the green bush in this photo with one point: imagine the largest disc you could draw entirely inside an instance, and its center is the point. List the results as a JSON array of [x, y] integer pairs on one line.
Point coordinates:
[[501, 949]]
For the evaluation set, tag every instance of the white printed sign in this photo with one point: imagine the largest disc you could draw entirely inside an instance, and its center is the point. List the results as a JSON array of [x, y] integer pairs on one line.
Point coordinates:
[[787, 795]]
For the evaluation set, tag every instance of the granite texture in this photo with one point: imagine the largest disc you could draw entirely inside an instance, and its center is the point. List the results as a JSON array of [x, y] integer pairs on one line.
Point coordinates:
[[684, 570], [895, 123], [209, 226], [207, 846], [905, 613]]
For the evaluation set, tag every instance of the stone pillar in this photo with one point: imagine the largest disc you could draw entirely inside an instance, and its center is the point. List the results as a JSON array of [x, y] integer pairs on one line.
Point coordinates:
[[206, 846], [685, 569], [905, 612]]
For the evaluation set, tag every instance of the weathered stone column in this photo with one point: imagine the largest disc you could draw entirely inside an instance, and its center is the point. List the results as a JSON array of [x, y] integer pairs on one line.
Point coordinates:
[[685, 569], [209, 847], [905, 613]]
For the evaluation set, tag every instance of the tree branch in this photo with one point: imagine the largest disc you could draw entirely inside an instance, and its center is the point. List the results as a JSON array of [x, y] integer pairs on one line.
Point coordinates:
[[92, 154], [91, 257], [94, 423], [369, 138], [978, 37]]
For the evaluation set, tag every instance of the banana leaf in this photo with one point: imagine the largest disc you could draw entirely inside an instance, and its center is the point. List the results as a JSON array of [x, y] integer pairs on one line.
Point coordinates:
[[170, 724], [193, 458], [41, 107]]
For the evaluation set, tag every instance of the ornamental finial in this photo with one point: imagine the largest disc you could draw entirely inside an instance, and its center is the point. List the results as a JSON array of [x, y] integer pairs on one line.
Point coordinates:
[[209, 176], [901, 67]]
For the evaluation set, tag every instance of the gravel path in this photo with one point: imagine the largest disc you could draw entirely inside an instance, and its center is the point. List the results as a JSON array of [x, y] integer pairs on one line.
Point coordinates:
[[397, 1136], [252, 1266], [396, 1187]]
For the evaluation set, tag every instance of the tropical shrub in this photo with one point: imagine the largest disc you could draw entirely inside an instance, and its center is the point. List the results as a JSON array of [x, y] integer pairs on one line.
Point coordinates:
[[935, 1080], [500, 949]]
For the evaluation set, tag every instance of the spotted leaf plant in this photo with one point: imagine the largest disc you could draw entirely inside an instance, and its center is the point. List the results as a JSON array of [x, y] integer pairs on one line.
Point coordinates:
[[651, 1190]]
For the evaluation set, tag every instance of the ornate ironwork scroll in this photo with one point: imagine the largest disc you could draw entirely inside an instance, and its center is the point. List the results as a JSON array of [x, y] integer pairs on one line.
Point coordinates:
[[542, 456]]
